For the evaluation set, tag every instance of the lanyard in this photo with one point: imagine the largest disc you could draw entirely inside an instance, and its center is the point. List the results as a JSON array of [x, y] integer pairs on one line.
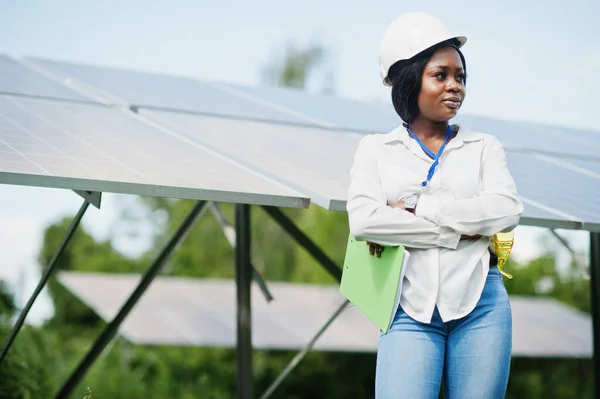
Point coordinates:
[[436, 157]]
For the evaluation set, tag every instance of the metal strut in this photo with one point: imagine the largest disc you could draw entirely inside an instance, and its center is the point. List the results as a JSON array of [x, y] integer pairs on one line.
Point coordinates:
[[111, 329], [574, 255], [45, 277], [302, 239], [294, 362]]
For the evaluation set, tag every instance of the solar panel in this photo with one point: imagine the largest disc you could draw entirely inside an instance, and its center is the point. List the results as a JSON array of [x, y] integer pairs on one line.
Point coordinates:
[[85, 147], [298, 107], [317, 162], [573, 143], [167, 92], [18, 79], [193, 312], [555, 187], [329, 110], [375, 117], [311, 160], [589, 167], [541, 217]]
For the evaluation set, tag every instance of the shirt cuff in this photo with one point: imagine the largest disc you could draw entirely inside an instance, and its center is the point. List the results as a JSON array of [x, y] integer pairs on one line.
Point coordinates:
[[428, 207]]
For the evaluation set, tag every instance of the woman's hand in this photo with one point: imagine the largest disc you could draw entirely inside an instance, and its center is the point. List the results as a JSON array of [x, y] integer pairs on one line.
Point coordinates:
[[473, 237], [375, 249], [399, 205]]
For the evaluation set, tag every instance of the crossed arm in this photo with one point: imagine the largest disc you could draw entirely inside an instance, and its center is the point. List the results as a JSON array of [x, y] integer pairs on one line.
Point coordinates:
[[436, 223]]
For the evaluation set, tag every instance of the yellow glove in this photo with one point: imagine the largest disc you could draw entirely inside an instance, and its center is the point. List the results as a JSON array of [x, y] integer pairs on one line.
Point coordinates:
[[503, 243]]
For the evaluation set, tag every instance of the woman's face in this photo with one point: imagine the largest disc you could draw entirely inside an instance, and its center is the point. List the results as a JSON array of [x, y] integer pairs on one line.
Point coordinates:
[[442, 86]]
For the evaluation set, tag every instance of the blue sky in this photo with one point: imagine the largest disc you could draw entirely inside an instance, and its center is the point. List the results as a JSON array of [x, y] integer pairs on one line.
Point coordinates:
[[532, 60], [535, 60]]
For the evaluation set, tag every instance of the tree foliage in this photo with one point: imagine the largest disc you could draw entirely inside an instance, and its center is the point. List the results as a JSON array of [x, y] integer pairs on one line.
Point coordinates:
[[24, 373], [7, 303], [44, 358], [293, 69]]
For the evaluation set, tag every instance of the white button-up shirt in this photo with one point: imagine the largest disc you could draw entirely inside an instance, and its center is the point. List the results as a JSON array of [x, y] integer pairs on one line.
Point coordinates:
[[472, 192]]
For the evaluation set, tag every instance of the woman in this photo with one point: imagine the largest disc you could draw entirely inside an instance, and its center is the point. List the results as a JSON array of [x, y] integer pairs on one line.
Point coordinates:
[[441, 191]]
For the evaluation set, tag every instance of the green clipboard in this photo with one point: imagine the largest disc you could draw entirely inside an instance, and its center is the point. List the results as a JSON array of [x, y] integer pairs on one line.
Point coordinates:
[[373, 284]]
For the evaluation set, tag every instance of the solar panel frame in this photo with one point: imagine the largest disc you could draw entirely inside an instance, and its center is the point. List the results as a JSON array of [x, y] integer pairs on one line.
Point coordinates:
[[96, 148], [290, 107]]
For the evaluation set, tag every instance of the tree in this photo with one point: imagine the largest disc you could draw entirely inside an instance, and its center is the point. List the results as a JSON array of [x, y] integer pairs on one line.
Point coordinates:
[[23, 373], [297, 63], [7, 303], [82, 253], [550, 378]]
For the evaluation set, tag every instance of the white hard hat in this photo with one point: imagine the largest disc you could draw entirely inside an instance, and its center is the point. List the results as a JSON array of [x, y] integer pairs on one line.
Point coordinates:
[[409, 35]]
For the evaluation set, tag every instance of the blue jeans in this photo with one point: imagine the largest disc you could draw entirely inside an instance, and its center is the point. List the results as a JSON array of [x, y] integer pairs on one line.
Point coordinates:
[[470, 356]]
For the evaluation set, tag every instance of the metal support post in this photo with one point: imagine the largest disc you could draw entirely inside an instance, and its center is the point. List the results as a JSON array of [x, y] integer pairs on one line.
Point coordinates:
[[45, 277], [304, 241], [294, 362], [229, 232], [595, 306], [111, 329], [243, 279]]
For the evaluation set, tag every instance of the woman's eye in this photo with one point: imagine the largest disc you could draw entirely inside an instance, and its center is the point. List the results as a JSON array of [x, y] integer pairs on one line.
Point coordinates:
[[440, 75], [461, 78]]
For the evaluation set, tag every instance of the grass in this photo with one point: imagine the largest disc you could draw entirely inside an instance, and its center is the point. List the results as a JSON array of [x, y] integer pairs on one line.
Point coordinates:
[[88, 393]]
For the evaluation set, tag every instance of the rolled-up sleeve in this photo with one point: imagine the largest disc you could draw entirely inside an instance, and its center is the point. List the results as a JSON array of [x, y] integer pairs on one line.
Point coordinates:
[[497, 208], [370, 217]]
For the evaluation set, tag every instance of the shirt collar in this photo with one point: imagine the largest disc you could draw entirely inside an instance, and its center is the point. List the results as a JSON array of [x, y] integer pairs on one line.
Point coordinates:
[[464, 135]]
